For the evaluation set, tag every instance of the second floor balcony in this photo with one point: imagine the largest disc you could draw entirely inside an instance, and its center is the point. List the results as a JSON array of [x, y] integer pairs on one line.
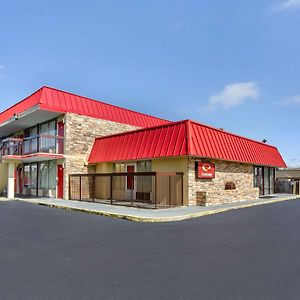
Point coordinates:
[[38, 144]]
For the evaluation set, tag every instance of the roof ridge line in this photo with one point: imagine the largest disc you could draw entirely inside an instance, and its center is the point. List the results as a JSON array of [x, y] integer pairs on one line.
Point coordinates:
[[42, 94], [231, 133]]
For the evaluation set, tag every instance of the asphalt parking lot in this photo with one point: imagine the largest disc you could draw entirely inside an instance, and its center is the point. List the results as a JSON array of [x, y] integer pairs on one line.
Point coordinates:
[[48, 253]]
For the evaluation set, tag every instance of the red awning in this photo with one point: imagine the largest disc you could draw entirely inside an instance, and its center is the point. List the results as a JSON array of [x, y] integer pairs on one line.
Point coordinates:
[[184, 138]]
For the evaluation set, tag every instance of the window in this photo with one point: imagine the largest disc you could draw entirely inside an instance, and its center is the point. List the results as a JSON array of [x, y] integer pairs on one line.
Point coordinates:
[[52, 174], [272, 180], [119, 168], [44, 128], [43, 172], [264, 179], [26, 175], [144, 183], [52, 128], [43, 175], [48, 128], [33, 175], [48, 144], [255, 177], [144, 166]]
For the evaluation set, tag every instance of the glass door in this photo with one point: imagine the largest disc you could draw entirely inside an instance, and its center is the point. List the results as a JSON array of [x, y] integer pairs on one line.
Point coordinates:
[[264, 179]]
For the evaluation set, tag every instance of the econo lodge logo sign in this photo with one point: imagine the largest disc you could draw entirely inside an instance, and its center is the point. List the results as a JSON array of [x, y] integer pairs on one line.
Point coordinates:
[[206, 170]]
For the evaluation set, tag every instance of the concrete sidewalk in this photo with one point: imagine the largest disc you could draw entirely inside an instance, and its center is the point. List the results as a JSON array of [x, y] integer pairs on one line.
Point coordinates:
[[151, 215]]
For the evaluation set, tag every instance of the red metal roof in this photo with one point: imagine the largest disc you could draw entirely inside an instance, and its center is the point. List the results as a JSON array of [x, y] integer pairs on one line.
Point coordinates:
[[21, 106], [59, 101], [184, 138]]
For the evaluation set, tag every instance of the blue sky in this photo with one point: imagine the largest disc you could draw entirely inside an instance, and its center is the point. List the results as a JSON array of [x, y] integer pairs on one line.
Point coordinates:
[[230, 64]]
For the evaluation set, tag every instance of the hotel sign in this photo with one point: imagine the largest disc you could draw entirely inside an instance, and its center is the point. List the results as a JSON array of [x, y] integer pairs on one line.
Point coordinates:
[[206, 170]]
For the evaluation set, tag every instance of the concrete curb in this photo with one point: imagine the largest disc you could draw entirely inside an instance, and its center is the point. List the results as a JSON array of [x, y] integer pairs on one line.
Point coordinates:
[[161, 219]]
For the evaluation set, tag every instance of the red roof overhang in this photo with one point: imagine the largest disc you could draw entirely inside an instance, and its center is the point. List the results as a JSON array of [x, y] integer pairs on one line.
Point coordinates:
[[57, 101], [184, 138]]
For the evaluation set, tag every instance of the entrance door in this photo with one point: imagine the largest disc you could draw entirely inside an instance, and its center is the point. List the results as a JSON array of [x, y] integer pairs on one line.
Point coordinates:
[[130, 183], [130, 179], [60, 182]]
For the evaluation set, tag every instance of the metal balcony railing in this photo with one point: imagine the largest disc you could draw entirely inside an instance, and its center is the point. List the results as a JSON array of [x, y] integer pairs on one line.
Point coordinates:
[[11, 146], [140, 189], [41, 143]]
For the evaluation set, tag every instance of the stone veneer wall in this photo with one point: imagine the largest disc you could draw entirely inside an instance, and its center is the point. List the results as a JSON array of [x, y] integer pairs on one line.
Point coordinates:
[[80, 134], [240, 174]]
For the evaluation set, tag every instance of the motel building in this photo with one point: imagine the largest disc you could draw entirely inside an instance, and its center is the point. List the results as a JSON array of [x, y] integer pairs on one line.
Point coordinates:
[[60, 145]]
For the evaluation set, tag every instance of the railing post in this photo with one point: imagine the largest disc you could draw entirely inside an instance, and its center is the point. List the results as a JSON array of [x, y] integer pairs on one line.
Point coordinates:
[[155, 190], [80, 196], [182, 187], [111, 189], [93, 187], [169, 191], [70, 198], [132, 191]]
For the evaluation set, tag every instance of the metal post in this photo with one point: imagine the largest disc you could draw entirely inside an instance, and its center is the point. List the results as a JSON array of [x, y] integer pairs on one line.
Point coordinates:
[[169, 191], [93, 187], [70, 187], [132, 191], [80, 196], [111, 189], [155, 190], [182, 187], [37, 178], [38, 144]]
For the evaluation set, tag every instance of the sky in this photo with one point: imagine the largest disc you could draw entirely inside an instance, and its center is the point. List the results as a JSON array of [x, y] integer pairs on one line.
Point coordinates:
[[230, 64]]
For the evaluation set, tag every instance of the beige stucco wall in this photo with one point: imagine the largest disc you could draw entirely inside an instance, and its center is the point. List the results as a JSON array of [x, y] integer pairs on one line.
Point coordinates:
[[165, 165], [80, 134], [104, 168], [3, 176], [176, 164], [240, 174], [103, 183]]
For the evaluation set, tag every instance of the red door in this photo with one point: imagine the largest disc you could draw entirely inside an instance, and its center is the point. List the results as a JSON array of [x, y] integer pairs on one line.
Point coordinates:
[[130, 179], [19, 181], [60, 182], [60, 133], [16, 177]]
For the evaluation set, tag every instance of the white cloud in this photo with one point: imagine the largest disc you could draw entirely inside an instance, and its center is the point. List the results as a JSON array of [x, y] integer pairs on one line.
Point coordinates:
[[233, 94], [287, 4], [294, 100]]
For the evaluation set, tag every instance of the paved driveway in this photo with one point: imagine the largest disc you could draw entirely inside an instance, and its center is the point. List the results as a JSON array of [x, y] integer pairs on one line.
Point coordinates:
[[48, 253]]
